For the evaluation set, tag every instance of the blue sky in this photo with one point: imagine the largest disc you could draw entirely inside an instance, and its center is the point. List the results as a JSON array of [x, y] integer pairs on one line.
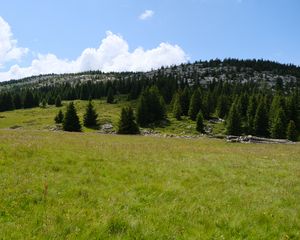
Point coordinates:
[[53, 32]]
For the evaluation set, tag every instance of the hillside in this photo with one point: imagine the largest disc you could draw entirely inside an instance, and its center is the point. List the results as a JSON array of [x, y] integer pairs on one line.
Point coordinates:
[[233, 70]]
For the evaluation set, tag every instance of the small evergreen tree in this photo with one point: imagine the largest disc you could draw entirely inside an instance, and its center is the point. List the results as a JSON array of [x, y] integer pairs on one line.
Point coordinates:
[[185, 101], [199, 122], [233, 122], [251, 110], [110, 96], [177, 107], [195, 104], [71, 121], [278, 125], [127, 124], [29, 100], [59, 117], [17, 101], [222, 106], [260, 124], [292, 131], [90, 116], [58, 101], [44, 103]]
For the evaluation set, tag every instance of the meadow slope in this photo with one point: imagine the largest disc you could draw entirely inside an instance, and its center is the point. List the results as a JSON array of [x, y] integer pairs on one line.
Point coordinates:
[[57, 185]]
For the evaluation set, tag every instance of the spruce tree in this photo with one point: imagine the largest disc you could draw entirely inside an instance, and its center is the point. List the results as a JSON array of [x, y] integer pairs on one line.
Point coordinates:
[[222, 106], [260, 124], [59, 117], [177, 107], [29, 100], [292, 131], [233, 121], [90, 116], [17, 101], [71, 121], [127, 124], [58, 101], [185, 101], [251, 110], [44, 103], [199, 122], [151, 107], [195, 105], [110, 96], [278, 125]]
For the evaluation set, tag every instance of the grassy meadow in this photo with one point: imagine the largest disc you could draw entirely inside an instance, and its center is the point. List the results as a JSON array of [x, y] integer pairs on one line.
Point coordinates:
[[57, 185], [60, 185]]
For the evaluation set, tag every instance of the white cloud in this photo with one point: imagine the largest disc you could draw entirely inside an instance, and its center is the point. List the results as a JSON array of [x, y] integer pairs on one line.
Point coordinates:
[[112, 55], [8, 46], [146, 15]]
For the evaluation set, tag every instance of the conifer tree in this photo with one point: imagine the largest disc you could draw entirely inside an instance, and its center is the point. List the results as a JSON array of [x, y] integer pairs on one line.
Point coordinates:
[[177, 107], [58, 101], [233, 121], [127, 124], [110, 96], [222, 106], [29, 100], [260, 123], [90, 116], [292, 131], [278, 125], [59, 117], [71, 121], [251, 110], [151, 107], [44, 103], [199, 122], [185, 101], [17, 101], [195, 105]]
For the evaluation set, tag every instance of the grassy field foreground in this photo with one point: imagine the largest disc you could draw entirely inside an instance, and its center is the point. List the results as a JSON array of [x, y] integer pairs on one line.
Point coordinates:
[[56, 185]]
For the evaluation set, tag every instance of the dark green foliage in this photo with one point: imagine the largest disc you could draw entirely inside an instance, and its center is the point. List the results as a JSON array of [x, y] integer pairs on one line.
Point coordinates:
[[260, 124], [58, 101], [51, 100], [185, 101], [110, 96], [195, 105], [222, 106], [293, 109], [90, 116], [71, 121], [200, 122], [29, 100], [251, 111], [151, 107], [177, 112], [127, 124], [59, 117], [233, 121], [17, 101], [44, 103], [278, 125], [6, 102], [292, 131]]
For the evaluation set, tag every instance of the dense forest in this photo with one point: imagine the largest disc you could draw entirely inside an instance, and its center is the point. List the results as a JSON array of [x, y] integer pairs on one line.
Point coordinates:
[[230, 89]]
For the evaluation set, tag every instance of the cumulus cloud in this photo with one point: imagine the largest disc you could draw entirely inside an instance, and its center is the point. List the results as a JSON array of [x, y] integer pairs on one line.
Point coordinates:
[[8, 46], [113, 54], [146, 15]]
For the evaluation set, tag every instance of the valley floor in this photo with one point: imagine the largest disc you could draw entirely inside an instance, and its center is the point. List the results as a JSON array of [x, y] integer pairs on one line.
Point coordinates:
[[58, 185]]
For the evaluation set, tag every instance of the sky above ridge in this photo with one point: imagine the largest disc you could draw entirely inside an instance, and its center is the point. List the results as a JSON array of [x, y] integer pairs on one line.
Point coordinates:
[[51, 36]]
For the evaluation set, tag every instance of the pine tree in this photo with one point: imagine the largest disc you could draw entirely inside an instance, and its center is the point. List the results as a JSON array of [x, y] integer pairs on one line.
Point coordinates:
[[90, 116], [110, 96], [58, 101], [195, 105], [233, 121], [261, 120], [292, 131], [222, 106], [199, 122], [44, 103], [127, 124], [151, 107], [251, 110], [71, 121], [17, 101], [278, 125], [177, 107], [185, 101], [29, 100], [59, 117]]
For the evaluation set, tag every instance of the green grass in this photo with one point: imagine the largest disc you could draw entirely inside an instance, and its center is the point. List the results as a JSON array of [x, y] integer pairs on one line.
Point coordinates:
[[43, 118], [57, 185]]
